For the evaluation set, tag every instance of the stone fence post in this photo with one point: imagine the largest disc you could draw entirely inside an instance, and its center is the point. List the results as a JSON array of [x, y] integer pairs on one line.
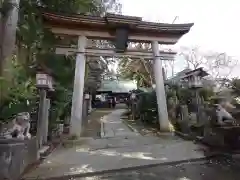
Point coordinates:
[[45, 122]]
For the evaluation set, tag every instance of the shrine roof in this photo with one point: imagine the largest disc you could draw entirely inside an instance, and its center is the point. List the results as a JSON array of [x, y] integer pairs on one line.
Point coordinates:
[[117, 86], [198, 72], [109, 21]]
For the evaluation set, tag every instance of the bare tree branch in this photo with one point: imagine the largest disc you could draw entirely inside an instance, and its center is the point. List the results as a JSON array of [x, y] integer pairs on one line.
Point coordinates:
[[219, 65]]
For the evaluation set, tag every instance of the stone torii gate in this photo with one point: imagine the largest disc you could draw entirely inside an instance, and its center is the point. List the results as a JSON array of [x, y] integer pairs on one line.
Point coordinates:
[[122, 29]]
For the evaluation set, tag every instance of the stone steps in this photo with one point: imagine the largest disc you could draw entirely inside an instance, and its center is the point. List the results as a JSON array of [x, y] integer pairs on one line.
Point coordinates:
[[131, 141]]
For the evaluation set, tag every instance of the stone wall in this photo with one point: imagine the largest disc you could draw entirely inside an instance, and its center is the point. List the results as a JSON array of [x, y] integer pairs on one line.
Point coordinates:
[[15, 156]]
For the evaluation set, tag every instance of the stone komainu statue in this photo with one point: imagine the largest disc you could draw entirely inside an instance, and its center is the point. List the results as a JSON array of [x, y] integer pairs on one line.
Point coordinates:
[[222, 114], [20, 127]]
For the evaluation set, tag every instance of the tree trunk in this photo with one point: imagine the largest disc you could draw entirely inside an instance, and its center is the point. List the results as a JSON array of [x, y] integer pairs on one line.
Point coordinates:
[[8, 26], [8, 32], [147, 68]]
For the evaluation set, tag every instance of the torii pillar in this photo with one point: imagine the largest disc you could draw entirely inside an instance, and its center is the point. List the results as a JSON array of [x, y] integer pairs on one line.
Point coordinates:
[[123, 29], [78, 88], [160, 89]]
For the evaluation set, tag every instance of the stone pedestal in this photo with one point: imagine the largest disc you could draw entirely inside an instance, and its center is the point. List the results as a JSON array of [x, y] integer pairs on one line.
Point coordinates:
[[15, 156]]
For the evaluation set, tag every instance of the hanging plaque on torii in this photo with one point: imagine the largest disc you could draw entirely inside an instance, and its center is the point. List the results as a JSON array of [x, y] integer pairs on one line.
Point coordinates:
[[122, 26]]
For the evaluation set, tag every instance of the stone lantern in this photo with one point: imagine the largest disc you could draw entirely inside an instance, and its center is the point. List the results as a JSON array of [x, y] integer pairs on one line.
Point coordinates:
[[44, 83], [194, 78], [133, 96]]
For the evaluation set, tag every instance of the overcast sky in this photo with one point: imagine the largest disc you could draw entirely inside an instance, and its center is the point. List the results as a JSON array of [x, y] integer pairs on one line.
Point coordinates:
[[216, 23]]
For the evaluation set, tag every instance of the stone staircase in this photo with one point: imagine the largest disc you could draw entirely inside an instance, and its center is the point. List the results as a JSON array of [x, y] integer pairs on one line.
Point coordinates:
[[127, 141]]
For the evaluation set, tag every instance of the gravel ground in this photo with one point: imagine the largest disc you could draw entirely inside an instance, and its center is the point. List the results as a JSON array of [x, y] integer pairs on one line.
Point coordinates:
[[214, 169]]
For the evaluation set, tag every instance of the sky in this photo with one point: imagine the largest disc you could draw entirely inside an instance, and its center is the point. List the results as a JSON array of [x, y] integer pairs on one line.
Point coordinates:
[[216, 23]]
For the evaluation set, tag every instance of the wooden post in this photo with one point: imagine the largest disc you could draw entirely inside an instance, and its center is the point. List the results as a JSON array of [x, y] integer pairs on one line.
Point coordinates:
[[41, 117], [84, 113], [133, 109], [46, 120], [90, 104]]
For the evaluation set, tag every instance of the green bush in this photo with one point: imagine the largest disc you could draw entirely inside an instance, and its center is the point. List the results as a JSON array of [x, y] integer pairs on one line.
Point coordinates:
[[147, 101], [147, 107], [21, 95]]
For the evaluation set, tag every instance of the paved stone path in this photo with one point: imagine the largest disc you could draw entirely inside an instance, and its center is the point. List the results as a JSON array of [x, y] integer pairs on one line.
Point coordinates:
[[118, 149], [113, 126], [216, 168], [93, 126]]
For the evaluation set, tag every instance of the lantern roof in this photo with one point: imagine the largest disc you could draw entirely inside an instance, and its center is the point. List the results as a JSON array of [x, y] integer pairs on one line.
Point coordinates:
[[196, 72]]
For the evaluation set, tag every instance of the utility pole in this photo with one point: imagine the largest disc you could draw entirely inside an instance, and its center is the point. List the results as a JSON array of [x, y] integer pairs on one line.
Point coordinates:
[[176, 17], [173, 62]]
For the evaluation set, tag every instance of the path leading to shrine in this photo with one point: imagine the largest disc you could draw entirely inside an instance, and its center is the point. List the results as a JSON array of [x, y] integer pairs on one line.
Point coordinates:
[[118, 149]]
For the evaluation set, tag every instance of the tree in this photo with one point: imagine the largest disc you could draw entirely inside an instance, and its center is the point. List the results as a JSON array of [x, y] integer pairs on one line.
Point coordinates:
[[8, 25], [219, 65], [139, 69], [234, 86], [135, 69], [35, 48]]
